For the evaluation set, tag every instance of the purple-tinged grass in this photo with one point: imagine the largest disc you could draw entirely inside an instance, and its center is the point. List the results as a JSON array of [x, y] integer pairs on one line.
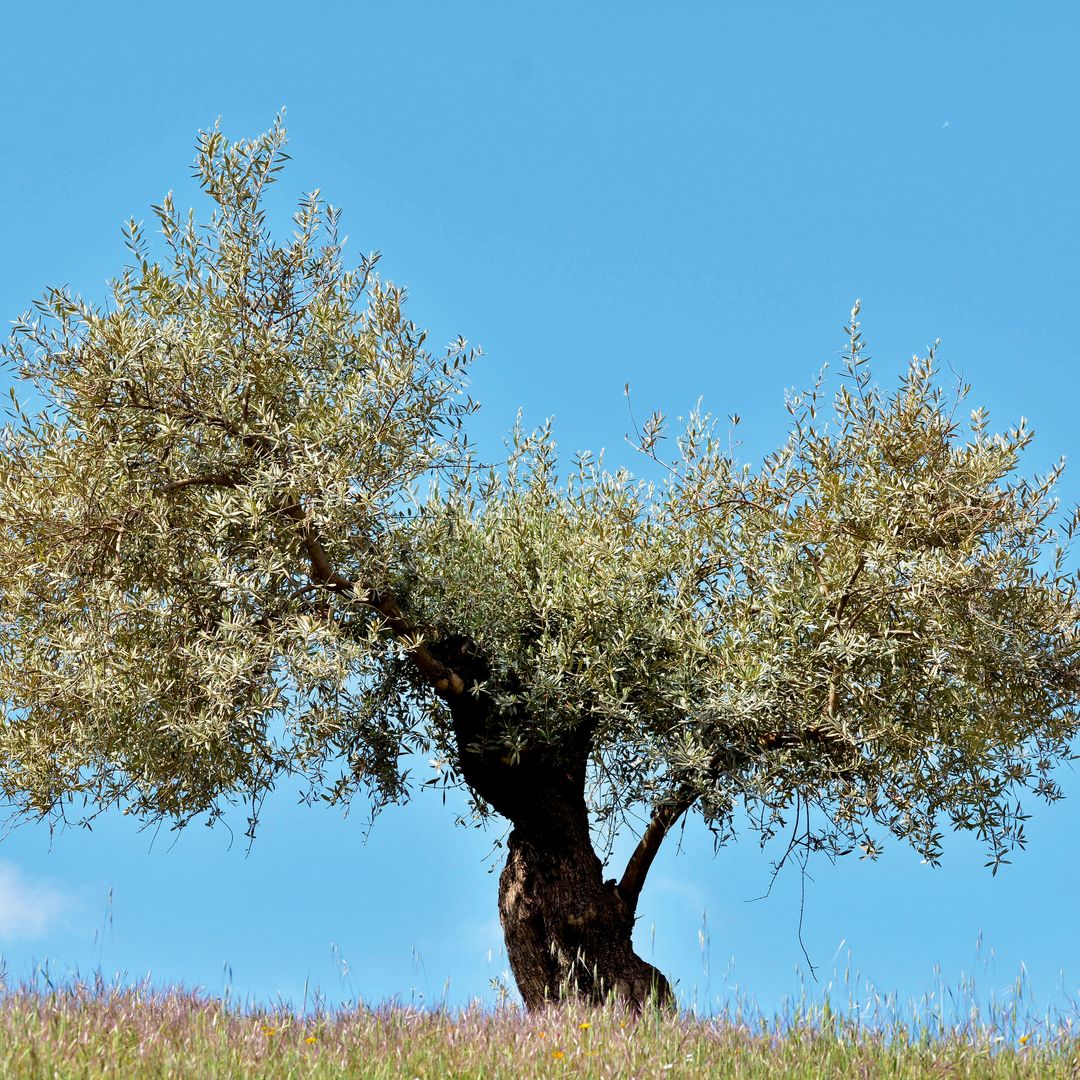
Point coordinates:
[[97, 1030]]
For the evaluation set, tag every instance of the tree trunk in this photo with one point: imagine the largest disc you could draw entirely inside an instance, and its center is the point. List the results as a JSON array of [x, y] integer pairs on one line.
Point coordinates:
[[568, 932]]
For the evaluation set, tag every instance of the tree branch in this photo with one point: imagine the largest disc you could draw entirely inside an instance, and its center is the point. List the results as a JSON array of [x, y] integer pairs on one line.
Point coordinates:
[[444, 680], [667, 814], [637, 868], [227, 480]]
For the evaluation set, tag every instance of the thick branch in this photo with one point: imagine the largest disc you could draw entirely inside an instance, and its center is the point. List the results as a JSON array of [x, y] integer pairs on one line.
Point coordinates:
[[637, 869], [226, 480], [668, 813], [446, 682]]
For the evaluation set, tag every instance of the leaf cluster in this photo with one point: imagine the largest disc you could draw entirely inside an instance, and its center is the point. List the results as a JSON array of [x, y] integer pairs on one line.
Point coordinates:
[[248, 506], [875, 627], [163, 642]]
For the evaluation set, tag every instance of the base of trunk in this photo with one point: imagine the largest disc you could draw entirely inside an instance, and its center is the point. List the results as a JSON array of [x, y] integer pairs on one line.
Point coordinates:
[[568, 933]]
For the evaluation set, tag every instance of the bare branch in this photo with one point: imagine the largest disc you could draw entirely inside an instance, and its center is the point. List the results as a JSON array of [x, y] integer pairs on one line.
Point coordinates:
[[637, 868]]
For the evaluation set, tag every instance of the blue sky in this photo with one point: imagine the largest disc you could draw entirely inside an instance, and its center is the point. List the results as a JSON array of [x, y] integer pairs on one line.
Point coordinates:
[[685, 196]]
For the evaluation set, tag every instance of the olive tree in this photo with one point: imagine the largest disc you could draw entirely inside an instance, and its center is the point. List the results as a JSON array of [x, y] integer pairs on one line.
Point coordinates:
[[246, 538]]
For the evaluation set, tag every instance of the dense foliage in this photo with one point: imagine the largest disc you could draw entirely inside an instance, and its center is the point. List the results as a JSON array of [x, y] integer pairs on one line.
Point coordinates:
[[240, 537]]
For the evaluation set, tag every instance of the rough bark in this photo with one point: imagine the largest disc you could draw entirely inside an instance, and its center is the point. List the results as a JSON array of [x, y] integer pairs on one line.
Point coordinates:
[[568, 932]]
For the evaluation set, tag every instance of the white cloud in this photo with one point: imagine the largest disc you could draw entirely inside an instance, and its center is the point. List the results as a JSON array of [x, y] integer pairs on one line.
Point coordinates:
[[27, 908]]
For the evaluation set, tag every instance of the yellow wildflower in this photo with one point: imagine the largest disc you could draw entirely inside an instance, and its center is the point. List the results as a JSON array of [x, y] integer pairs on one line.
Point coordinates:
[[541, 1034], [558, 1055], [269, 1030], [585, 1026], [1025, 1039], [311, 1039]]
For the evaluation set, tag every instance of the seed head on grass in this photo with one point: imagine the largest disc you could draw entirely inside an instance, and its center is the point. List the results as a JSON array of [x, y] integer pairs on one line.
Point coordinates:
[[141, 1033]]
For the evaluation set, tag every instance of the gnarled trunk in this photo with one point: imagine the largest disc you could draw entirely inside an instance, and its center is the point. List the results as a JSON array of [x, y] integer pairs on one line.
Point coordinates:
[[568, 932]]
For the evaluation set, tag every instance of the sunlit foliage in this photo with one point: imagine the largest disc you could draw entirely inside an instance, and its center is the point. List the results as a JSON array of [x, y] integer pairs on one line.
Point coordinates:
[[247, 520]]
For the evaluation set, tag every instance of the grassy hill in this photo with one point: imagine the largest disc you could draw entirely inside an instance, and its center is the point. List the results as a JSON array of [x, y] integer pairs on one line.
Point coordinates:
[[97, 1030]]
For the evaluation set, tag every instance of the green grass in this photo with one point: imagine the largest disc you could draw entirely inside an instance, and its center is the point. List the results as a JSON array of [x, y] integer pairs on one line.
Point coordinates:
[[97, 1030]]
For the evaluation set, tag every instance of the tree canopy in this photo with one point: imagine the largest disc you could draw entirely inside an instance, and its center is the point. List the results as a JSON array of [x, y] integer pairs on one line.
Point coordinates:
[[246, 537]]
